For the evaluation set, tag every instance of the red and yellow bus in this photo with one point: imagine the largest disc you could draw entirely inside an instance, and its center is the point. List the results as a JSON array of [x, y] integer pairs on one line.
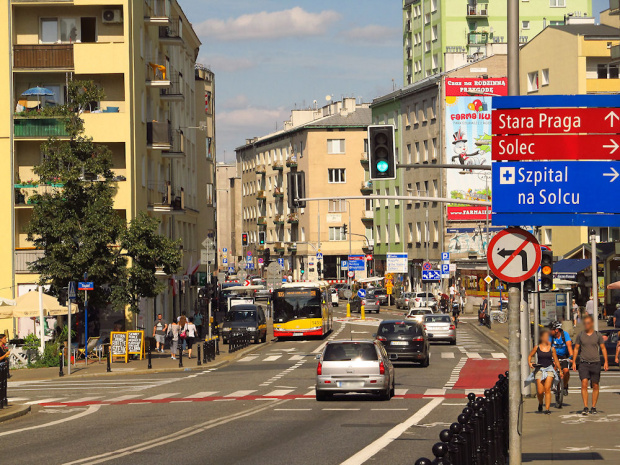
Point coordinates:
[[302, 310]]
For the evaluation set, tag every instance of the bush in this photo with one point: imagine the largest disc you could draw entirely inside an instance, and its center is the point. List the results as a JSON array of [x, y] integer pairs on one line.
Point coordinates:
[[50, 357]]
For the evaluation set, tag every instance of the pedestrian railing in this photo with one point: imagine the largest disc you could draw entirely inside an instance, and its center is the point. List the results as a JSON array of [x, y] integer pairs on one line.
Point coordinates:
[[238, 341], [4, 382], [480, 435]]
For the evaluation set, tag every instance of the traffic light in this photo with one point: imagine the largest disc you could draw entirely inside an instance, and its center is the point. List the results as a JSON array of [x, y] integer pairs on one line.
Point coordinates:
[[319, 268], [244, 239], [345, 230], [296, 189], [381, 155], [302, 268], [546, 270], [267, 256], [62, 296], [261, 237], [529, 285]]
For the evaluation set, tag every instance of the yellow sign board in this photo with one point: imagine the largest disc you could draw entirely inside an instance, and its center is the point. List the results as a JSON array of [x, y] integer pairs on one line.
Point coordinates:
[[388, 288]]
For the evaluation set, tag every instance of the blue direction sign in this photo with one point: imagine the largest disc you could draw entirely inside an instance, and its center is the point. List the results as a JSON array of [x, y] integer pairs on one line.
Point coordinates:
[[431, 275], [357, 262], [225, 261], [224, 250], [445, 270], [231, 269], [86, 286], [248, 258], [361, 293]]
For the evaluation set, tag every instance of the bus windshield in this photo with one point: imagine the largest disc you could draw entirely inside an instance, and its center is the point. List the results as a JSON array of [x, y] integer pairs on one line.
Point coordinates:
[[292, 304]]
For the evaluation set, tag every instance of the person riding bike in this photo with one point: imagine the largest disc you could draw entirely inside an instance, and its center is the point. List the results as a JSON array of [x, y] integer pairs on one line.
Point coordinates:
[[456, 311], [563, 346]]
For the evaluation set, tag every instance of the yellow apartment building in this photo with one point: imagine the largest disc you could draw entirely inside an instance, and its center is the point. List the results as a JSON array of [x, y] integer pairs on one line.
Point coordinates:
[[327, 145], [572, 59], [143, 54]]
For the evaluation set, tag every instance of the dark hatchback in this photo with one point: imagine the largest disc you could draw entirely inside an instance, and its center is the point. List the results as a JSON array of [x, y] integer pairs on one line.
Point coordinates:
[[378, 294], [405, 341], [246, 318]]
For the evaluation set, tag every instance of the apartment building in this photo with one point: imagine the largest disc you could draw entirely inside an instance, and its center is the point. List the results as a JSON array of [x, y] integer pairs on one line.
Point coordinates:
[[577, 58], [440, 35], [327, 144], [142, 53], [228, 215]]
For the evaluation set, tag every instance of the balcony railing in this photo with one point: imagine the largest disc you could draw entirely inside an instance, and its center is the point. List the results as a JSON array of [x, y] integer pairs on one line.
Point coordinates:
[[293, 218], [278, 192], [39, 127], [277, 165], [177, 146], [368, 215], [478, 10], [615, 52], [170, 34], [159, 135], [364, 159], [474, 38], [262, 221], [366, 186], [260, 169], [174, 91], [279, 219], [25, 191], [52, 56], [291, 162], [163, 197], [157, 11], [279, 246], [24, 257], [157, 74], [260, 195]]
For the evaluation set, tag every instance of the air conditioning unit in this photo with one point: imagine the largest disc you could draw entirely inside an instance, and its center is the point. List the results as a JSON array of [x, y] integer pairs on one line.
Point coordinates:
[[112, 16]]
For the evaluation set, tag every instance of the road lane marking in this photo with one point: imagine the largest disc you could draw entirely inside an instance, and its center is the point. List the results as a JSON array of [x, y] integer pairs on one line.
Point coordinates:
[[341, 409], [165, 395], [292, 409], [447, 355], [121, 398], [201, 395], [44, 401], [474, 355], [91, 409], [271, 358], [240, 393], [278, 392], [373, 448], [297, 357], [435, 392], [400, 392], [499, 355], [249, 358], [311, 392], [85, 399], [389, 409]]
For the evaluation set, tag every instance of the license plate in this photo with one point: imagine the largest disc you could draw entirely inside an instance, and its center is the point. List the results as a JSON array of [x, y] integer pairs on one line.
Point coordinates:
[[350, 384], [298, 334], [399, 343]]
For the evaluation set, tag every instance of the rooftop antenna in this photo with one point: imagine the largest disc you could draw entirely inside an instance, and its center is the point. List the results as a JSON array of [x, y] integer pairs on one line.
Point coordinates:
[[393, 84]]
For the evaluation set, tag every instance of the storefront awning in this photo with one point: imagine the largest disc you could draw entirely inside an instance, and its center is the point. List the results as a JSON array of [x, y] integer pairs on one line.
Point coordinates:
[[568, 268]]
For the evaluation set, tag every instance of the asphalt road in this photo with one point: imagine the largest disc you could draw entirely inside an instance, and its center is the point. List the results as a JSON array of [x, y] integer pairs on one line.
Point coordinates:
[[259, 409]]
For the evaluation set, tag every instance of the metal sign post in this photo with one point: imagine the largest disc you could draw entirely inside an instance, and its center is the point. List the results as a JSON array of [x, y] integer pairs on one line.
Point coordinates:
[[71, 295]]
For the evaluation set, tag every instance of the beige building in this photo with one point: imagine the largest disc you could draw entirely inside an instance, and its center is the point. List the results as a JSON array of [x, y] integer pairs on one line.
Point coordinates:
[[142, 53], [326, 144], [228, 215]]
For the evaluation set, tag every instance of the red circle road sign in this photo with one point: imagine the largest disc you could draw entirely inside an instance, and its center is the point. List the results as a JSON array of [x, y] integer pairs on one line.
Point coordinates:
[[351, 274], [369, 257], [427, 266], [513, 255]]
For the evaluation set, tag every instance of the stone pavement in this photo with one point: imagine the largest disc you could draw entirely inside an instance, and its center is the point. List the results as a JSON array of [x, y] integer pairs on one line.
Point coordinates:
[[566, 436]]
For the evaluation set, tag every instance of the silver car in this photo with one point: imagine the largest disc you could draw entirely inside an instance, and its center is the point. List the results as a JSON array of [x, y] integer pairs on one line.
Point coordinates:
[[354, 366], [440, 327], [418, 314], [403, 300]]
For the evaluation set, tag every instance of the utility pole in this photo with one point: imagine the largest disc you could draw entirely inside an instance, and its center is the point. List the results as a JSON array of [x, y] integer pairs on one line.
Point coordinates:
[[513, 48], [594, 279]]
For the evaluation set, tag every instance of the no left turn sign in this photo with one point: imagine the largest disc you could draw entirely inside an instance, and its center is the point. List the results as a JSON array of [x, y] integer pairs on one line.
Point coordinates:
[[514, 255]]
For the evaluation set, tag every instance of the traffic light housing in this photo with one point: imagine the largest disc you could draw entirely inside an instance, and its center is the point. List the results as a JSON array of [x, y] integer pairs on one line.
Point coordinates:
[[345, 230], [244, 239], [302, 268], [546, 270], [63, 292], [267, 256], [381, 152], [261, 237], [296, 189], [319, 268]]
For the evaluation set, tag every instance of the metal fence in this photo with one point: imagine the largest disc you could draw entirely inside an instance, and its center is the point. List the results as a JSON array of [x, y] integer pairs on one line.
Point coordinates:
[[4, 380], [238, 341]]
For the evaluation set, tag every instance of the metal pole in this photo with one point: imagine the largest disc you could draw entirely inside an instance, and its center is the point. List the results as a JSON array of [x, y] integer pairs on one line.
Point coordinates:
[[486, 254], [513, 49], [594, 279], [85, 320], [209, 321], [514, 380], [69, 334], [41, 320], [525, 339], [348, 277]]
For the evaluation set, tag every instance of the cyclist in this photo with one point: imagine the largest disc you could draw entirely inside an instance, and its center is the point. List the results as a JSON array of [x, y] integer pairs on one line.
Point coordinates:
[[456, 311], [563, 346]]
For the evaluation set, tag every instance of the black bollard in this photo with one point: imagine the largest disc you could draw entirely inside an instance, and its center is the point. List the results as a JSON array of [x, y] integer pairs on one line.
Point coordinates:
[[217, 345], [109, 369], [62, 361], [149, 355], [423, 461], [180, 355], [204, 352], [457, 446], [199, 358], [440, 450]]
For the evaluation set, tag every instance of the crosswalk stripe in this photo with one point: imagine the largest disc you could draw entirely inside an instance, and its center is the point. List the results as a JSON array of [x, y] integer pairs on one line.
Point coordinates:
[[499, 355], [85, 399], [311, 392], [278, 392], [165, 395], [249, 358], [400, 392], [121, 398], [473, 355], [447, 355], [240, 393], [44, 401], [271, 358], [200, 395], [434, 392], [297, 357]]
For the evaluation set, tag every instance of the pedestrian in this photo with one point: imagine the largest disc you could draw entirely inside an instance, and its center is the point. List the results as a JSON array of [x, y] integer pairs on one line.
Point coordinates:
[[587, 345], [190, 336], [544, 373], [482, 314], [159, 333], [198, 323], [452, 292], [4, 350], [183, 331], [576, 318], [590, 306], [173, 331], [563, 346], [617, 317], [463, 300]]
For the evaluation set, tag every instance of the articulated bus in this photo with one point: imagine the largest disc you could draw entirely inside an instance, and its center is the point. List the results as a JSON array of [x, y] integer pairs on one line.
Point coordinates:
[[302, 310]]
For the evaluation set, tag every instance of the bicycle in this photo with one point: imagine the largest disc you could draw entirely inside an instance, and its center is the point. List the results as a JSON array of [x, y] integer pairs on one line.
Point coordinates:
[[557, 389], [499, 316]]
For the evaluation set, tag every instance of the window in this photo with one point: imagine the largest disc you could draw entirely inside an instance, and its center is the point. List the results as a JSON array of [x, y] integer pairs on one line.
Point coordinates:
[[417, 152], [397, 233], [434, 34], [532, 81], [378, 235], [427, 18], [426, 150], [545, 77], [435, 62], [410, 232], [433, 5], [387, 234], [368, 205], [407, 116], [435, 189], [548, 236], [525, 24], [209, 194], [337, 175], [336, 233], [396, 193], [366, 146], [408, 153], [303, 234], [435, 231], [424, 110], [557, 3], [418, 232], [415, 113], [337, 206], [49, 30], [604, 71], [427, 46], [433, 107], [434, 146]]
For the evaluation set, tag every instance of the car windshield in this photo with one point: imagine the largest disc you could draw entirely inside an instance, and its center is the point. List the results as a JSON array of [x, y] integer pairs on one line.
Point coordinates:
[[344, 351], [241, 315], [419, 312], [296, 304], [402, 328], [437, 319], [379, 292]]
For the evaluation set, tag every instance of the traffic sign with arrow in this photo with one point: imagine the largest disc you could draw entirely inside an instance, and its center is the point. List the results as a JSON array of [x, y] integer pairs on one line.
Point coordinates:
[[556, 120], [556, 147], [514, 255]]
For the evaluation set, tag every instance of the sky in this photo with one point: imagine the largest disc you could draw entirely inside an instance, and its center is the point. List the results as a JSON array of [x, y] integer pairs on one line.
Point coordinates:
[[271, 56]]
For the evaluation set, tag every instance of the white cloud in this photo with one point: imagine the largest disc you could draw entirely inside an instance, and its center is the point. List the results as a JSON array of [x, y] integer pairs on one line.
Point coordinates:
[[295, 22], [374, 34], [237, 102], [253, 118], [228, 64]]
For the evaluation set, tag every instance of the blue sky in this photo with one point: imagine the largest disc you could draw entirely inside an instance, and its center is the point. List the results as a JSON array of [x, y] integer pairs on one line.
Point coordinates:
[[270, 55]]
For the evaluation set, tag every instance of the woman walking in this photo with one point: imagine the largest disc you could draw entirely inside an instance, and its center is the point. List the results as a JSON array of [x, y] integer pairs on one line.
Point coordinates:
[[544, 373], [190, 331], [173, 330], [183, 331]]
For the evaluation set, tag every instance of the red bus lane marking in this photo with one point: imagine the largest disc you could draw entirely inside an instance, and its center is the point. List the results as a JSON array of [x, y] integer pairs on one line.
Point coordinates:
[[480, 373], [514, 254]]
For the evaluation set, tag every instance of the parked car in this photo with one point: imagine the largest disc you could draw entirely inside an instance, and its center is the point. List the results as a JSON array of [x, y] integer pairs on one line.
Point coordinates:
[[370, 305], [354, 366], [405, 341], [333, 295], [377, 294], [262, 294], [423, 299], [250, 318], [418, 314], [402, 301], [341, 291], [611, 340], [441, 327]]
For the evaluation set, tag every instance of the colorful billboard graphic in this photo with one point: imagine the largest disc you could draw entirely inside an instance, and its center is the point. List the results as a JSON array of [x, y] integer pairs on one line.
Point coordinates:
[[465, 87]]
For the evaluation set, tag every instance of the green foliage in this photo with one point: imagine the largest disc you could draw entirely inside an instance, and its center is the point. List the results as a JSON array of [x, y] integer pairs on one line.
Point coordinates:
[[32, 342], [50, 357]]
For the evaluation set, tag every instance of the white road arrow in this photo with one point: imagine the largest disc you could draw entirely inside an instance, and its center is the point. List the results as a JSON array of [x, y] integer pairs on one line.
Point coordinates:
[[614, 146], [613, 175], [611, 115]]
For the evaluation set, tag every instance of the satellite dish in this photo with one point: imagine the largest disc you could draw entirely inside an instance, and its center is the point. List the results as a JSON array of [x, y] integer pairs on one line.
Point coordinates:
[[328, 97]]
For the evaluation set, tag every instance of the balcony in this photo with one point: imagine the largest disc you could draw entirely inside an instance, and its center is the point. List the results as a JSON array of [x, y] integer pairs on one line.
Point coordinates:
[[368, 215], [50, 56], [24, 257], [261, 221], [291, 162], [156, 75], [279, 247], [174, 92], [292, 247], [25, 191], [278, 220], [614, 7], [158, 136], [177, 146], [477, 38], [170, 34], [364, 159], [260, 195], [479, 10], [278, 193], [164, 198], [157, 12], [293, 218], [39, 127], [408, 26], [366, 187], [277, 166], [261, 169]]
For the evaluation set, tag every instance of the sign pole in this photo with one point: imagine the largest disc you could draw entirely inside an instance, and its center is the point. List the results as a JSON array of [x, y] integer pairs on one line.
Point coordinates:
[[514, 379], [594, 279], [69, 335]]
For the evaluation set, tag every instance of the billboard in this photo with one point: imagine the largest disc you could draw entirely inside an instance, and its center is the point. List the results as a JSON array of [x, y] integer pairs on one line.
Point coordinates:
[[469, 213], [465, 87]]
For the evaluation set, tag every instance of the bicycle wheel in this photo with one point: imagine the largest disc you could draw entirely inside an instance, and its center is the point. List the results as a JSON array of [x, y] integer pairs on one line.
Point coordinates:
[[559, 394], [502, 318]]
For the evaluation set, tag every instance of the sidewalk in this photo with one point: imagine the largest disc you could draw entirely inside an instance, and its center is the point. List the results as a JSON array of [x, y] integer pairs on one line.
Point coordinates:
[[566, 436]]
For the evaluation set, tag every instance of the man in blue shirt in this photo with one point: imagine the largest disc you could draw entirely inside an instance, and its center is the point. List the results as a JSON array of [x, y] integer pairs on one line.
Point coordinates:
[[563, 346]]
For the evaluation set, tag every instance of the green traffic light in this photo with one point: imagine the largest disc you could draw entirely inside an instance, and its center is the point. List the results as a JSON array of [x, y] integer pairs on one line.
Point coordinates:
[[382, 166]]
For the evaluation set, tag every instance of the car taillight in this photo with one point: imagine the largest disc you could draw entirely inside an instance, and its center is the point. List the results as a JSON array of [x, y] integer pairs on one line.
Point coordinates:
[[381, 368], [452, 327], [319, 369], [418, 339], [378, 303], [424, 327], [381, 338]]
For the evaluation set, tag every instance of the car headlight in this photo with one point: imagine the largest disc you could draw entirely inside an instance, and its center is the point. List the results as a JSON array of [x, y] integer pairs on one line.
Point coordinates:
[[252, 328], [225, 329]]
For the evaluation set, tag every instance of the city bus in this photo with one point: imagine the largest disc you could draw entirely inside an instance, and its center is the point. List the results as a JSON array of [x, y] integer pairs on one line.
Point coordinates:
[[302, 310]]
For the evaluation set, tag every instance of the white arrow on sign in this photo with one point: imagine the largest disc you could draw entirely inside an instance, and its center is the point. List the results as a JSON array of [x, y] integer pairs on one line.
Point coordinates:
[[610, 116], [613, 175], [614, 146]]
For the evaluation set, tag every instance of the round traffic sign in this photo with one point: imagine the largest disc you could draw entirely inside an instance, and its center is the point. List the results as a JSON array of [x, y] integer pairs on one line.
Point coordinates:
[[351, 274], [514, 255], [361, 293], [427, 266], [369, 257]]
